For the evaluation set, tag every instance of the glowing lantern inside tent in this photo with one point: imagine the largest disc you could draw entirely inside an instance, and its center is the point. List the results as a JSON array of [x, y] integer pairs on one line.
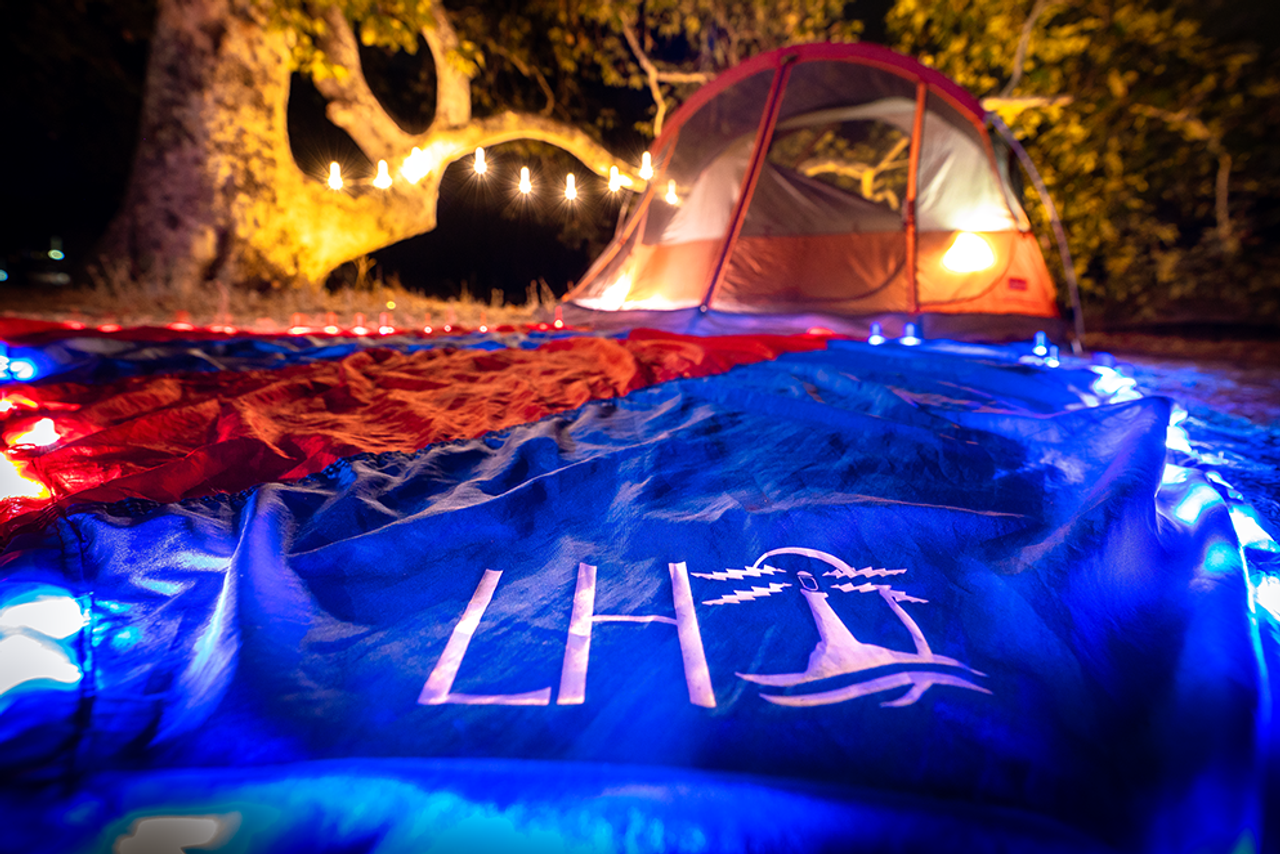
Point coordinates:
[[969, 253], [526, 185], [479, 163], [615, 180], [570, 187], [335, 176], [383, 179], [646, 166]]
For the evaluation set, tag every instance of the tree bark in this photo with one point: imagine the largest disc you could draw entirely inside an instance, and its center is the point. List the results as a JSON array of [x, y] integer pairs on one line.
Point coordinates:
[[215, 195]]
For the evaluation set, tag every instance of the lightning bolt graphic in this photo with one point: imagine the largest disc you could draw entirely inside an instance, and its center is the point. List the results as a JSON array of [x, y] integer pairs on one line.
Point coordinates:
[[884, 589], [737, 597], [740, 574], [865, 572]]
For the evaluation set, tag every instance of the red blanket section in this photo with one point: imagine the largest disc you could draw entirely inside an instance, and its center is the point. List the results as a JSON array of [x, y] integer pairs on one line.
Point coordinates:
[[183, 436]]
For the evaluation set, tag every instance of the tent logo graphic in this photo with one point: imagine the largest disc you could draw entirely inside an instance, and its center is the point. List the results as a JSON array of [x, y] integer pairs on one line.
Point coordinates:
[[838, 652]]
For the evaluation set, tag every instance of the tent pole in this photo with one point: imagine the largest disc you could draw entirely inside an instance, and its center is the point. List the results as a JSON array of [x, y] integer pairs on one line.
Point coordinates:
[[1068, 267], [768, 119], [909, 206]]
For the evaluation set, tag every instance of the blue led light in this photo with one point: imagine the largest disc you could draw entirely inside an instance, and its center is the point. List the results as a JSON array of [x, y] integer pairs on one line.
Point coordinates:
[[910, 335], [1041, 347], [877, 335], [1192, 506], [23, 370]]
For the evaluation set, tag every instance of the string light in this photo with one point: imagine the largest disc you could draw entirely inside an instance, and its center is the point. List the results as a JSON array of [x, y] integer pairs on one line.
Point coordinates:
[[526, 186], [335, 176], [671, 197], [415, 166], [358, 326], [646, 166], [570, 187], [615, 179], [383, 179], [478, 164]]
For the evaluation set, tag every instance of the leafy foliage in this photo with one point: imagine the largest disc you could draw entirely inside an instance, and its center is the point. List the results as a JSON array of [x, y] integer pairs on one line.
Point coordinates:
[[1159, 114]]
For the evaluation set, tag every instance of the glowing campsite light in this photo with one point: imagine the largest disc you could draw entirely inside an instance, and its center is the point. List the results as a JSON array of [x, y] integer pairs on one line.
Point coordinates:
[[1041, 347], [615, 179], [969, 253], [559, 322], [1249, 531], [22, 370], [16, 483], [28, 659], [526, 185], [910, 336], [416, 166], [383, 179], [385, 326], [54, 616], [1198, 499], [479, 164], [41, 435], [1113, 385], [570, 187], [1267, 594], [298, 324], [357, 326], [1052, 359], [335, 176], [876, 338], [671, 197], [646, 166], [109, 327]]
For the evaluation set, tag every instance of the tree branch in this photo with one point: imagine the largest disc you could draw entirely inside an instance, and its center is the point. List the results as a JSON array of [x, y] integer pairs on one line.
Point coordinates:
[[453, 84], [533, 73], [1024, 41], [352, 105], [650, 72]]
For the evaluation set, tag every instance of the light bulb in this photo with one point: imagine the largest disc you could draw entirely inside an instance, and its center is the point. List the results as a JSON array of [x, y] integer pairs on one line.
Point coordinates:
[[383, 179], [615, 180], [646, 166], [671, 197], [479, 163], [526, 186], [570, 187], [335, 176]]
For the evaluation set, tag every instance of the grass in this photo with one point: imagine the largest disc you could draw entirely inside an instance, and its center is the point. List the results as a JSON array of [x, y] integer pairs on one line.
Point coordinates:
[[120, 300]]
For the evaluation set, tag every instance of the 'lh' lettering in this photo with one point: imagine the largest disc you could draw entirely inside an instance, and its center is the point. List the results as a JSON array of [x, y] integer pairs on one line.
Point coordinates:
[[577, 649], [439, 687]]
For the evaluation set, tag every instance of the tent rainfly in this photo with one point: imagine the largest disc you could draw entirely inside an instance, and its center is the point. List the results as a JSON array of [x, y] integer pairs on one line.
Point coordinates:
[[844, 181]]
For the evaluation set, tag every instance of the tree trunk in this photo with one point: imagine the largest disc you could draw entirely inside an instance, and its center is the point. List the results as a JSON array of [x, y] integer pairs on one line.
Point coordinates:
[[215, 193]]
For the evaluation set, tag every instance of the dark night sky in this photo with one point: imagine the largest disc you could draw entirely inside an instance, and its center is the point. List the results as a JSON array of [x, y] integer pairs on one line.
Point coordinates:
[[68, 117]]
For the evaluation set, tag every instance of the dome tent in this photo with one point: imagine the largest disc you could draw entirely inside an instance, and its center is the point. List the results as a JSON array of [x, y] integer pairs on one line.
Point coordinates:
[[826, 183]]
